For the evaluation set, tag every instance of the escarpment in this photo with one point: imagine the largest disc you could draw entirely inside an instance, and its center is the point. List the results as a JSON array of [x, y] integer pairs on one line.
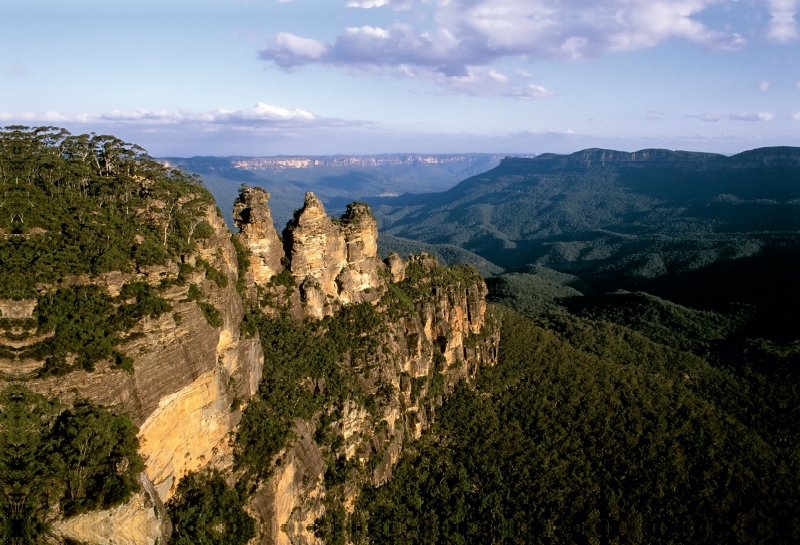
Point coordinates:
[[189, 372], [292, 371], [428, 329], [118, 288]]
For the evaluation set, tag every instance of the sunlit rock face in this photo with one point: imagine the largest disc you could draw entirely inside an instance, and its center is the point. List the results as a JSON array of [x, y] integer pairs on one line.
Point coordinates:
[[446, 336], [334, 261], [252, 216]]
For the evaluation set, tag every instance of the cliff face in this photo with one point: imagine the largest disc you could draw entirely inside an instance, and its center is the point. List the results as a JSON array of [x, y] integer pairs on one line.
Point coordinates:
[[186, 376], [189, 377], [439, 337], [252, 216], [446, 338]]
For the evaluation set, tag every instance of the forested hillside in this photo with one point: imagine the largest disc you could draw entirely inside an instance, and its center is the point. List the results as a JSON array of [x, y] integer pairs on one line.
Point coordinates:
[[168, 382], [638, 215], [647, 388], [586, 432]]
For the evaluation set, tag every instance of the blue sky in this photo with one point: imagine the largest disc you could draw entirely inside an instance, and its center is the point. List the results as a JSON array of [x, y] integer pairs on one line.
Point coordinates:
[[267, 77]]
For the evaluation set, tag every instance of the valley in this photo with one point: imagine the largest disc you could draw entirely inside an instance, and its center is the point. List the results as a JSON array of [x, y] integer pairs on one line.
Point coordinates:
[[598, 347]]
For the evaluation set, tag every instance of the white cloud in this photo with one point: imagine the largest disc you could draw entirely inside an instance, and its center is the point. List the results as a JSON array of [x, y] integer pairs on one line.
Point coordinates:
[[476, 33], [763, 86], [760, 116], [289, 50], [783, 26], [796, 116], [549, 133], [479, 81], [481, 31], [394, 4], [260, 117]]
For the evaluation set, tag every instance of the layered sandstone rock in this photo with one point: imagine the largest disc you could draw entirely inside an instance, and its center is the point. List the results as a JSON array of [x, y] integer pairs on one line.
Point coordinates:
[[187, 375], [397, 268], [252, 216], [447, 335], [317, 253], [333, 262]]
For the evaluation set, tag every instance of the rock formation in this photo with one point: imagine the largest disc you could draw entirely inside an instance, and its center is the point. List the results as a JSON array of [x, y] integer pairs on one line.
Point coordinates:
[[186, 377], [188, 374], [252, 216], [333, 261], [446, 336]]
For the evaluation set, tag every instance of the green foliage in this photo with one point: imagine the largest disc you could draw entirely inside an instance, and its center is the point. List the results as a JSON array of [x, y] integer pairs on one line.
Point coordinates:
[[87, 205], [78, 459], [283, 278], [203, 230], [212, 314], [213, 274], [150, 253], [331, 527], [99, 454], [563, 443], [298, 358], [423, 284], [195, 293], [87, 324], [205, 510]]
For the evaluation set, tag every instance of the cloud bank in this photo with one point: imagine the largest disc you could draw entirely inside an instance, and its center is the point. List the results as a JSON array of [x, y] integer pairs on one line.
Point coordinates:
[[783, 26], [468, 36], [262, 116]]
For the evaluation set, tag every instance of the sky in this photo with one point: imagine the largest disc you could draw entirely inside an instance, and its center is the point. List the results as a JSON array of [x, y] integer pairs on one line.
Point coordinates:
[[318, 77]]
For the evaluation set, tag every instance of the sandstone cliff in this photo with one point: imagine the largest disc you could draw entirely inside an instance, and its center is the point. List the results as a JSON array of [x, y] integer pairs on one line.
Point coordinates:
[[443, 339], [187, 376], [435, 333], [252, 216]]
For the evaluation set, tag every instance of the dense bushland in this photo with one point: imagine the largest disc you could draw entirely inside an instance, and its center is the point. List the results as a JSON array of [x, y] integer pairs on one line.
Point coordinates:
[[580, 443], [54, 458]]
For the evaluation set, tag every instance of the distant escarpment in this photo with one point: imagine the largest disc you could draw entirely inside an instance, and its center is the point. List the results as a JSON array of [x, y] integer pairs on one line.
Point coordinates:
[[657, 221], [632, 216]]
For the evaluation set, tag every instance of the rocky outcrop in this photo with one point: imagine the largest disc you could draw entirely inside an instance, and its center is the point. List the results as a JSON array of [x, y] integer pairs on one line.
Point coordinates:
[[444, 339], [332, 261], [257, 233], [359, 280], [317, 253], [188, 376], [396, 267]]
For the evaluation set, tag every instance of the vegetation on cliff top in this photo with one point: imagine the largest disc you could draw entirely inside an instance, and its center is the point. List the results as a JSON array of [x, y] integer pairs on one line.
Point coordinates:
[[88, 204], [73, 208]]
